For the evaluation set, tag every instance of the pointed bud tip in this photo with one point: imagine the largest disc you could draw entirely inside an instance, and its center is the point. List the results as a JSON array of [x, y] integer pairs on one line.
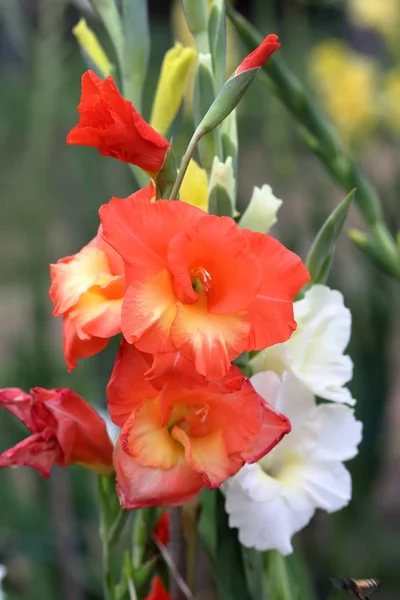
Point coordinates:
[[260, 55]]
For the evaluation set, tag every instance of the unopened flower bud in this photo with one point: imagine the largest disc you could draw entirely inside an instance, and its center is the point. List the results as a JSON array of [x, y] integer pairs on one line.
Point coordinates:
[[222, 186], [261, 212], [91, 48], [171, 86]]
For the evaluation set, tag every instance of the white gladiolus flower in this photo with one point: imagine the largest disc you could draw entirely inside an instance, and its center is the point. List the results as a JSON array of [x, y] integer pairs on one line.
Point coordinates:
[[3, 573], [315, 352], [271, 500], [261, 212]]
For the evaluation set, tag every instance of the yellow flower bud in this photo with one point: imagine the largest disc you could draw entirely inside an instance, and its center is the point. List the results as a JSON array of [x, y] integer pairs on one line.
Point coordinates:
[[91, 46], [194, 188], [171, 86]]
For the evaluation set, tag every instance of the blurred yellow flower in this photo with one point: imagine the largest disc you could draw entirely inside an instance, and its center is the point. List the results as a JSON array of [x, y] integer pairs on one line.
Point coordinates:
[[381, 15], [346, 83], [171, 86], [91, 46], [194, 188], [391, 100]]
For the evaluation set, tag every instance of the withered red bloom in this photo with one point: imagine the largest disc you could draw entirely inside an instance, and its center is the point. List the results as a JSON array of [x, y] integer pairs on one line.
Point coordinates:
[[158, 591], [260, 55], [175, 441], [87, 290], [200, 285], [65, 430], [161, 530], [113, 126]]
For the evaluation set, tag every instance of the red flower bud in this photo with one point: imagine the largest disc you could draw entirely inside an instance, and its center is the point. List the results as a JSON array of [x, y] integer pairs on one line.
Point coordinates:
[[65, 430], [260, 55], [113, 126]]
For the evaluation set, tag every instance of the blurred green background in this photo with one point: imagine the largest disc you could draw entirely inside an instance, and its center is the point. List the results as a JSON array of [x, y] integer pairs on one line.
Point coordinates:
[[348, 54]]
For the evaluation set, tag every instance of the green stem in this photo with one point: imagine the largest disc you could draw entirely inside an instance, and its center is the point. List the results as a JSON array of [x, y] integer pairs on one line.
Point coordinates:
[[324, 142], [185, 163], [117, 527]]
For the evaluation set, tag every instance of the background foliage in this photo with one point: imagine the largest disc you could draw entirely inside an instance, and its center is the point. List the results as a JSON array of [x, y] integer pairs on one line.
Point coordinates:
[[50, 194]]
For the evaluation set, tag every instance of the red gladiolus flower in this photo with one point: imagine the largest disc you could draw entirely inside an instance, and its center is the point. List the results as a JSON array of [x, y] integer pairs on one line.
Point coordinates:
[[113, 126], [87, 290], [200, 285], [260, 55], [158, 591], [175, 441], [65, 430], [161, 530]]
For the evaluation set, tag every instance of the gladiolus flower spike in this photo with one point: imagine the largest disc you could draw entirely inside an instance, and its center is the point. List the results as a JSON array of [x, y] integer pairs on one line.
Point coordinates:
[[198, 284], [65, 430], [111, 124], [176, 441]]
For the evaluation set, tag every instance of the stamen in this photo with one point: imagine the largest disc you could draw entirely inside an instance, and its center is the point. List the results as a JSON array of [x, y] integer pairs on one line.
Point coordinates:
[[204, 277]]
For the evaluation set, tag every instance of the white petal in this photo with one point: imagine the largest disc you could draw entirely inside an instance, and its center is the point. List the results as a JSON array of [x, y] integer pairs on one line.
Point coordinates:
[[336, 431], [257, 484], [276, 358], [327, 484], [294, 400], [264, 525], [317, 346], [267, 384]]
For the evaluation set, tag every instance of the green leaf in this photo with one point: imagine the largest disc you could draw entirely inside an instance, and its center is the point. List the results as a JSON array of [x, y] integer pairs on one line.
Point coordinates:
[[229, 561], [320, 256], [108, 13], [136, 49], [227, 99], [203, 97], [219, 202], [217, 39], [279, 580], [255, 576]]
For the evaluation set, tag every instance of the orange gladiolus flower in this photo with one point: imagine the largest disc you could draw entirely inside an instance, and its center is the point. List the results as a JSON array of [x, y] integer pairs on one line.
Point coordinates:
[[200, 285], [65, 430], [158, 591], [113, 126], [175, 441], [87, 290], [260, 55]]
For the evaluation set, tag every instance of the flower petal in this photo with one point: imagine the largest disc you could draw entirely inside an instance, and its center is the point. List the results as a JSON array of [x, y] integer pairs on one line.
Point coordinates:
[[146, 439], [74, 275], [128, 387], [39, 451], [148, 310], [284, 274], [207, 455], [140, 231], [211, 341], [76, 348], [138, 486], [217, 246]]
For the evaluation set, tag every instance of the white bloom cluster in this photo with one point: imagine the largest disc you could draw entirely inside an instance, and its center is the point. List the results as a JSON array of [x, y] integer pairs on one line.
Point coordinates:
[[273, 499]]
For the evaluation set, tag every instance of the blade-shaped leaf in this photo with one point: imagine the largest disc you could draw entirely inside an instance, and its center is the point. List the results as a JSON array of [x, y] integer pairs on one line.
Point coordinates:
[[320, 257], [229, 558], [136, 49]]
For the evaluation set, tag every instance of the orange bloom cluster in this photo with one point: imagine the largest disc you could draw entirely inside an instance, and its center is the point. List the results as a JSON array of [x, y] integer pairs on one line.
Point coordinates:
[[190, 292]]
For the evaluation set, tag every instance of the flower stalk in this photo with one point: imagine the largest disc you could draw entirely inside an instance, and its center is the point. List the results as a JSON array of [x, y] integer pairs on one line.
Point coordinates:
[[324, 142]]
